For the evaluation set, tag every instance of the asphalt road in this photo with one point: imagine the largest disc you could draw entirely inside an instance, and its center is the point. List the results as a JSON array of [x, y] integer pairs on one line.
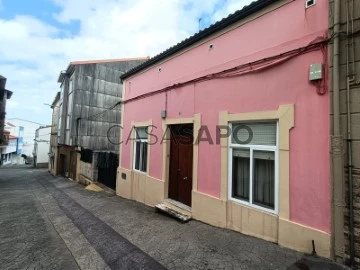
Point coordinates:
[[49, 222], [28, 239]]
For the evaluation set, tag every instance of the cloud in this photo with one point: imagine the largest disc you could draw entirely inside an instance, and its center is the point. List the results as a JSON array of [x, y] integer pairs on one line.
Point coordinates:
[[230, 7], [33, 52]]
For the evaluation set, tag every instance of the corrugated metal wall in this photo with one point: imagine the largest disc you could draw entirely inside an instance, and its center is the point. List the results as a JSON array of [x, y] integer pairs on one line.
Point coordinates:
[[97, 87]]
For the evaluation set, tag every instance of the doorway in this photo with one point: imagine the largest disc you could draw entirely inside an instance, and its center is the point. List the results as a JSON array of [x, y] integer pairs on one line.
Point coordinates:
[[107, 169], [181, 163], [62, 167], [72, 169]]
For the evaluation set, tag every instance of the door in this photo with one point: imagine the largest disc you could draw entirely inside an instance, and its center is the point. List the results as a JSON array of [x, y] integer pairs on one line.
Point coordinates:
[[62, 167], [181, 163], [107, 169], [72, 169]]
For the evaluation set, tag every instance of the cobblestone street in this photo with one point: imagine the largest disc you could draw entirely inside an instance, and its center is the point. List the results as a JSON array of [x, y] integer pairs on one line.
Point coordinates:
[[54, 223]]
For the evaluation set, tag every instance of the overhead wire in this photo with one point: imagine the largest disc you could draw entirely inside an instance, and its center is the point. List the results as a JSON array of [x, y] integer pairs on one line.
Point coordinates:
[[251, 67]]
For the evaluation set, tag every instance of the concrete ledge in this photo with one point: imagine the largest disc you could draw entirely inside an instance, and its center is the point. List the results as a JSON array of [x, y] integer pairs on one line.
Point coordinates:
[[123, 186], [139, 187], [252, 221], [298, 237], [154, 191], [208, 209]]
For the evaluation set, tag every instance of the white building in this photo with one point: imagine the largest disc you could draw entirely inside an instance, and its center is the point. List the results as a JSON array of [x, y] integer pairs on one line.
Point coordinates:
[[8, 151], [42, 146], [16, 134], [29, 134]]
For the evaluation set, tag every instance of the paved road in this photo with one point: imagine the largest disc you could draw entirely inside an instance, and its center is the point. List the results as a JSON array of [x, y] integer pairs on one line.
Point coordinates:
[[27, 237], [54, 223]]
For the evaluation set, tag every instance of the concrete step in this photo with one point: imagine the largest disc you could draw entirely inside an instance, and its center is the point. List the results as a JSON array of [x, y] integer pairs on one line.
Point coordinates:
[[172, 212]]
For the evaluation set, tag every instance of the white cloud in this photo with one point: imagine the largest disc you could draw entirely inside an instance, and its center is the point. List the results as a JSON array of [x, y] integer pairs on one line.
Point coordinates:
[[231, 7], [33, 52]]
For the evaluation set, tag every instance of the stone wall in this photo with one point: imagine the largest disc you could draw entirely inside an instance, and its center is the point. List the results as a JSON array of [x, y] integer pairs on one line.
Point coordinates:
[[90, 170]]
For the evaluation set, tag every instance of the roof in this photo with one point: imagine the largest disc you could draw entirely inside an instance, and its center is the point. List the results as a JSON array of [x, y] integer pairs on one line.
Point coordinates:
[[2, 87], [12, 137], [56, 99], [2, 81], [98, 61], [248, 10], [9, 124], [107, 60], [24, 120], [9, 93]]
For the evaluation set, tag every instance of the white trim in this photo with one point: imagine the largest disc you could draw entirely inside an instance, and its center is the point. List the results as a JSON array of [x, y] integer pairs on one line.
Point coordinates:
[[307, 5], [141, 157], [251, 148]]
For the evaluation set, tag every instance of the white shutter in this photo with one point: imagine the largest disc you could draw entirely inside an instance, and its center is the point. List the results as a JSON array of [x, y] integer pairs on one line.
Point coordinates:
[[257, 133]]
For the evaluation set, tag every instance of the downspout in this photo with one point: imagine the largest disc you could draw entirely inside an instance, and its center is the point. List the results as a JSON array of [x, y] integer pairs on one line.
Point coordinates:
[[337, 147], [350, 78]]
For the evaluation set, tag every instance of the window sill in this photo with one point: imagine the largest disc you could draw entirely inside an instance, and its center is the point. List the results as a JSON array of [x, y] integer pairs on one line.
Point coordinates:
[[253, 206], [141, 172]]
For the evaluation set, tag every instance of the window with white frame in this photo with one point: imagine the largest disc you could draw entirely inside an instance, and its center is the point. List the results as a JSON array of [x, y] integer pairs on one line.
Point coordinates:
[[141, 149], [253, 164]]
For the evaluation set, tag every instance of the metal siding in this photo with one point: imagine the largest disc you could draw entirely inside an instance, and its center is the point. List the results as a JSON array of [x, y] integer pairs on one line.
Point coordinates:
[[97, 88]]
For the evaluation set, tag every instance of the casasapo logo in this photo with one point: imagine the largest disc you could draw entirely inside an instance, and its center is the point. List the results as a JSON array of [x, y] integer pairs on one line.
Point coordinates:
[[204, 135]]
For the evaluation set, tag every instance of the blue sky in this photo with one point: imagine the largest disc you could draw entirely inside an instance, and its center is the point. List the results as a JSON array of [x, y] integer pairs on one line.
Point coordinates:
[[40, 37]]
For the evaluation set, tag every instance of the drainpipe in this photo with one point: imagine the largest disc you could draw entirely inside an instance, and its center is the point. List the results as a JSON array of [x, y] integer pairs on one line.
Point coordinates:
[[337, 148], [350, 78]]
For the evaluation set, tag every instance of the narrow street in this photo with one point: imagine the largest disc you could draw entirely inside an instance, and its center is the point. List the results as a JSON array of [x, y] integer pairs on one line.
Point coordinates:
[[54, 223]]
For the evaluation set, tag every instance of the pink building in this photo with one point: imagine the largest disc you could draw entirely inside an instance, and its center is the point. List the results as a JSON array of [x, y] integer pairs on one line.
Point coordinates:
[[246, 93]]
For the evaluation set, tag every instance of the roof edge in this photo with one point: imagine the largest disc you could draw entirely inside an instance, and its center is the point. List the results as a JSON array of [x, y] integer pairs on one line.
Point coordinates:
[[56, 99], [84, 62], [100, 61], [216, 27]]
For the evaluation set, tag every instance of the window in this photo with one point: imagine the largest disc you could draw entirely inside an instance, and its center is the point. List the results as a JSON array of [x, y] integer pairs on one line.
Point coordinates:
[[253, 164], [62, 91], [68, 140], [141, 149], [60, 118]]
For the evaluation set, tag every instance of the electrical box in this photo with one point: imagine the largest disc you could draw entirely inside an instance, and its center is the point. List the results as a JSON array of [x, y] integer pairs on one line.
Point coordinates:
[[315, 72], [163, 114]]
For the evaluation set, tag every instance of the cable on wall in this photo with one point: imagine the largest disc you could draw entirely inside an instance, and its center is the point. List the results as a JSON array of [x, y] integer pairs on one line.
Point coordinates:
[[252, 67]]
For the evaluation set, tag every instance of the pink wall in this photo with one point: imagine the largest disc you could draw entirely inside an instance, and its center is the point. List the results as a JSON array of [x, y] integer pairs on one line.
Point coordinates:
[[286, 28]]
